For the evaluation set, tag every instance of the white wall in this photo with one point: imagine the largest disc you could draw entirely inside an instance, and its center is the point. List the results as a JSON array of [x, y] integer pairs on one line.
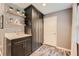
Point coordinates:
[[50, 30], [78, 24], [64, 24], [64, 29], [1, 30], [74, 32]]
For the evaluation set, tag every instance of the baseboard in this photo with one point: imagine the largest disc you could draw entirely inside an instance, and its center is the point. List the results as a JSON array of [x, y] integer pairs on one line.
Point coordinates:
[[61, 48]]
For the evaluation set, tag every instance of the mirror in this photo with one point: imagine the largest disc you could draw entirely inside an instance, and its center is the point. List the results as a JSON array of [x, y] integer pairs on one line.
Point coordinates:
[[1, 21]]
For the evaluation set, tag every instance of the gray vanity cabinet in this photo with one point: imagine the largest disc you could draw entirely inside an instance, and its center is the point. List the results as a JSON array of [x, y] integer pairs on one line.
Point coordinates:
[[36, 25], [18, 49], [77, 49], [21, 46]]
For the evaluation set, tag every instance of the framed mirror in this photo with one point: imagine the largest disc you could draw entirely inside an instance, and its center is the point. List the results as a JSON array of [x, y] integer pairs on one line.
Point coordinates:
[[1, 21]]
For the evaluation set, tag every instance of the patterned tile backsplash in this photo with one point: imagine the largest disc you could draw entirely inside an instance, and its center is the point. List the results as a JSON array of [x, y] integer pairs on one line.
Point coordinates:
[[12, 19]]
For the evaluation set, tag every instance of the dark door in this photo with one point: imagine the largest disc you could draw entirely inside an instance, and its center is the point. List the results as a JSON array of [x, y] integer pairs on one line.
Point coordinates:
[[37, 32], [36, 26]]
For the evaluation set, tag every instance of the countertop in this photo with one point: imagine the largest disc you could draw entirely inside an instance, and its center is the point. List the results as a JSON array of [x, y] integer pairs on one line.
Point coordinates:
[[12, 36]]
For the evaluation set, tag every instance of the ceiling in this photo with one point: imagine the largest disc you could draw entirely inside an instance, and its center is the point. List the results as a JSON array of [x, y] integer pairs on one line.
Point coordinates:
[[49, 8]]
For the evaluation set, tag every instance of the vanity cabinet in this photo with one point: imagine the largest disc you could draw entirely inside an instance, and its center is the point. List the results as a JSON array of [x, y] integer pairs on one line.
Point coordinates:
[[77, 49], [34, 23], [21, 46], [18, 49]]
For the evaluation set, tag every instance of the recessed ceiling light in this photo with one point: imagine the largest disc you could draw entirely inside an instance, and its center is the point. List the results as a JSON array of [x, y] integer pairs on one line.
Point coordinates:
[[44, 4]]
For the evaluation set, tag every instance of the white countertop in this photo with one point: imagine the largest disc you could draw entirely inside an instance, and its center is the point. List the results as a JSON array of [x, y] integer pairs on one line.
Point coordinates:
[[12, 36]]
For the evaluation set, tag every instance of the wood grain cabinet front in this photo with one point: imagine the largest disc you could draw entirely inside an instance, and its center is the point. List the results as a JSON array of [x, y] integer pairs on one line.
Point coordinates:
[[17, 49], [77, 49], [34, 22], [21, 47]]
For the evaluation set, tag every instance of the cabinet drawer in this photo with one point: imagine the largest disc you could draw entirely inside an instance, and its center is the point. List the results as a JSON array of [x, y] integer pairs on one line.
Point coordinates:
[[21, 39]]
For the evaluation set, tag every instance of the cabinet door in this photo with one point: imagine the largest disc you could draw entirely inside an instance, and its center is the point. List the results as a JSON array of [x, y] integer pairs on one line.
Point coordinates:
[[37, 26], [28, 46], [36, 30], [77, 49], [40, 29], [21, 47], [18, 49]]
